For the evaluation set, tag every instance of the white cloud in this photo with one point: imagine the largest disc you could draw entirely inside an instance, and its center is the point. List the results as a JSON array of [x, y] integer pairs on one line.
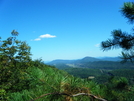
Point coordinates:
[[44, 36], [47, 36], [97, 45]]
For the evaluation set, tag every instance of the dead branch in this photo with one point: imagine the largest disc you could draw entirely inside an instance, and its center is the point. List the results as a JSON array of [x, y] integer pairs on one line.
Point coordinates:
[[91, 95], [56, 93]]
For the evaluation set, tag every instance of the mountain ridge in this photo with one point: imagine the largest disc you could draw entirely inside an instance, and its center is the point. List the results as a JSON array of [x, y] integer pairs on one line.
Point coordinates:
[[85, 59], [109, 63]]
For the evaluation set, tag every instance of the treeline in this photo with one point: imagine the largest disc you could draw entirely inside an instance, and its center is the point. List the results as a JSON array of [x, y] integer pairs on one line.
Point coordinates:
[[102, 75], [97, 65], [108, 65]]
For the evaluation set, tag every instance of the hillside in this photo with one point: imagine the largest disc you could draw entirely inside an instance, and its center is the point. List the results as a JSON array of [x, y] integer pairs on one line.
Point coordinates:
[[36, 81], [50, 84]]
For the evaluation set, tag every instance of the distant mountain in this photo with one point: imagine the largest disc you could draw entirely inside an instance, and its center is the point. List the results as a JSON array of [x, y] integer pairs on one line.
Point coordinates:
[[110, 58], [61, 61], [85, 59], [91, 62], [89, 59]]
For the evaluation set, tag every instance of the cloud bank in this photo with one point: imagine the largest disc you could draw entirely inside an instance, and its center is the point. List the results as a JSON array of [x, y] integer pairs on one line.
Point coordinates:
[[44, 36]]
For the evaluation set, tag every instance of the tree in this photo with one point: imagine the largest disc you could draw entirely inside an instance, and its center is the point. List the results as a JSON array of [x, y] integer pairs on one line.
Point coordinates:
[[14, 61], [122, 39]]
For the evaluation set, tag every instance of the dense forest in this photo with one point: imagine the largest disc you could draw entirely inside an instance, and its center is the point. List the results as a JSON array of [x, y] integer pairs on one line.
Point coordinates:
[[102, 76], [25, 79]]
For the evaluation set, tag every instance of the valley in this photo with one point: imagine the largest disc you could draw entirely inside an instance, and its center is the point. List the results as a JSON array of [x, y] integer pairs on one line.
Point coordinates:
[[101, 69]]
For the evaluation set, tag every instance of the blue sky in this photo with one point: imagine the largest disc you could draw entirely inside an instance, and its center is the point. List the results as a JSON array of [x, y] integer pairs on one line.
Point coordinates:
[[63, 29]]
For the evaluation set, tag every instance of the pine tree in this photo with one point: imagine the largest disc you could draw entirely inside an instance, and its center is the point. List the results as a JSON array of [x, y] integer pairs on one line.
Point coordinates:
[[122, 39]]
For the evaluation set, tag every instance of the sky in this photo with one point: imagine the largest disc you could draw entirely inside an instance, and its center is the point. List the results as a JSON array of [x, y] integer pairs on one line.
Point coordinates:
[[63, 29]]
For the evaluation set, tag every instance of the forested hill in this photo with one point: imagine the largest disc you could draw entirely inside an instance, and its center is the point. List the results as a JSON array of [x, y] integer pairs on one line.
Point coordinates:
[[86, 59], [91, 62]]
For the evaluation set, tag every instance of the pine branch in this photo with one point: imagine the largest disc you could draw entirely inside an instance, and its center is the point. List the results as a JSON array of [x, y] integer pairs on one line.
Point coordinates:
[[127, 56], [108, 44], [128, 11], [120, 40]]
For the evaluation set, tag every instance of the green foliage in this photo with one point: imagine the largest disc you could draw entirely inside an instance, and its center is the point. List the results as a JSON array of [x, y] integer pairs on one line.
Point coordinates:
[[128, 11], [15, 59], [118, 90], [102, 75], [119, 83], [83, 72], [50, 84], [54, 83]]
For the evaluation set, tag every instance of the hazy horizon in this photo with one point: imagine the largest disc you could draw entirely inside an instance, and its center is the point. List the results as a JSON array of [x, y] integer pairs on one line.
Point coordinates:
[[83, 57]]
